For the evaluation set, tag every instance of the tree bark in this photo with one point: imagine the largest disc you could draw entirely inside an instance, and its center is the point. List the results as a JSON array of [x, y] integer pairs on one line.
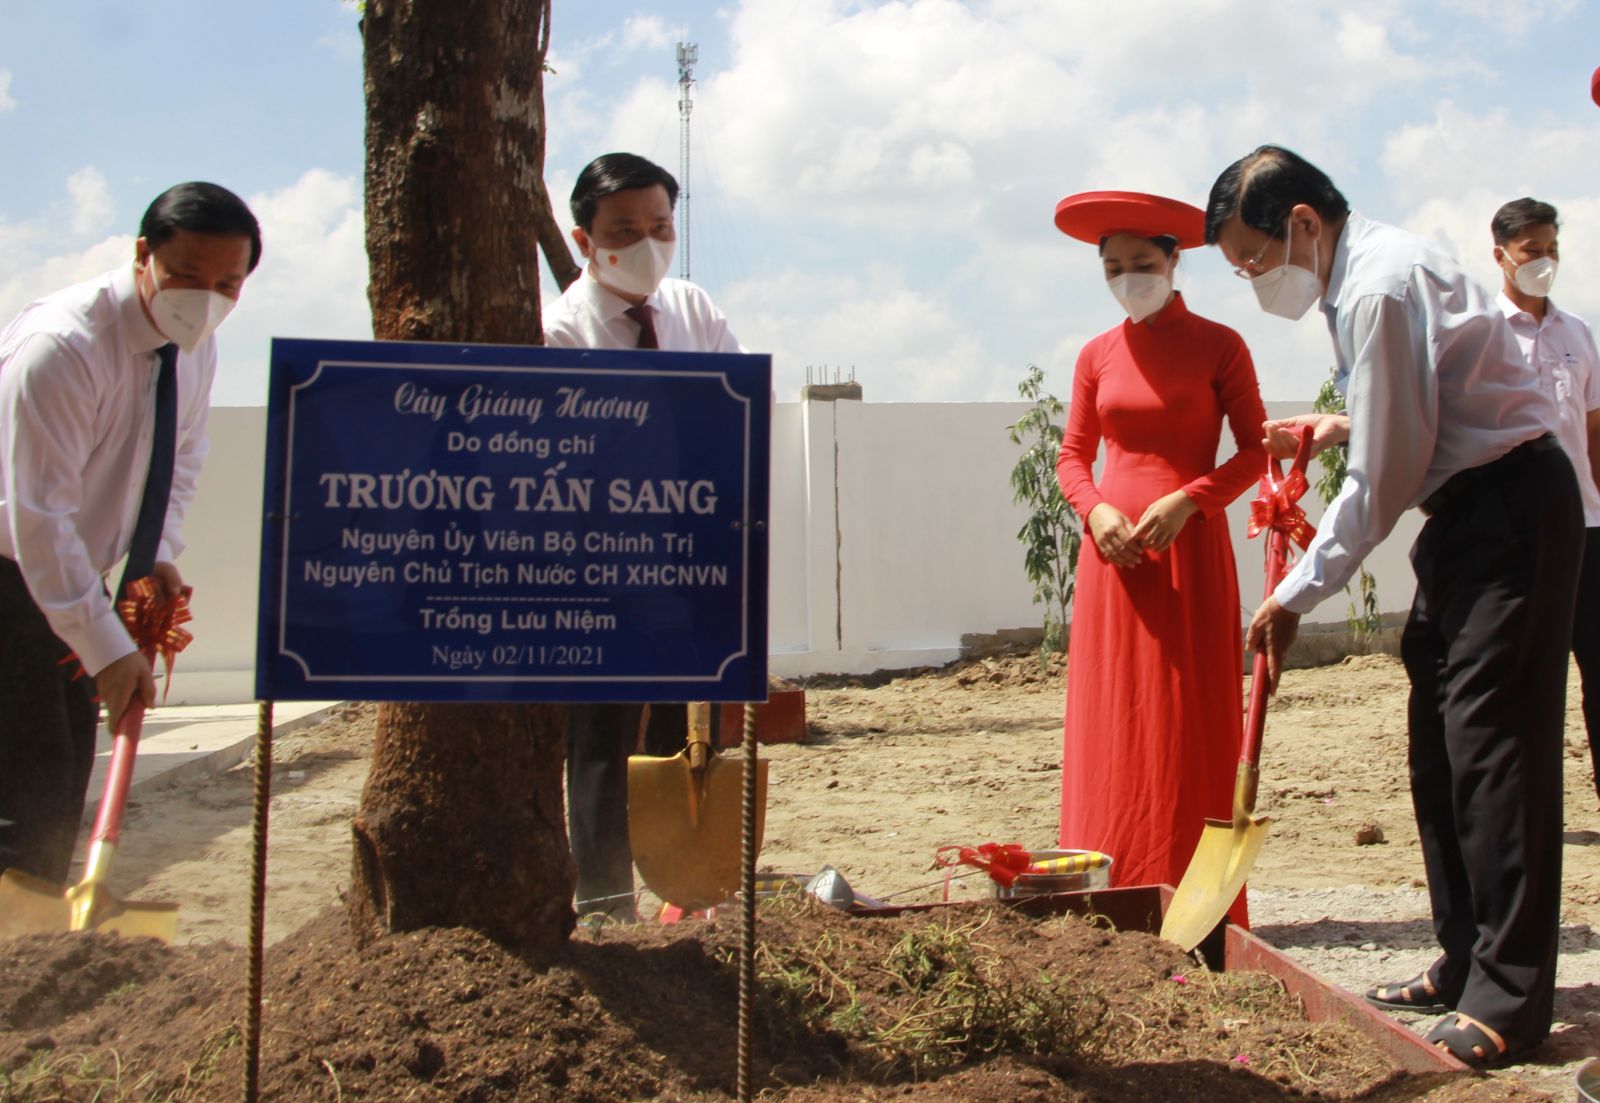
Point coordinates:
[[460, 821], [554, 243]]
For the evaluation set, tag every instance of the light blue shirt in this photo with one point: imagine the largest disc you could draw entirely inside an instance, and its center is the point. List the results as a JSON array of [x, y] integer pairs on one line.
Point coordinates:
[[1434, 384]]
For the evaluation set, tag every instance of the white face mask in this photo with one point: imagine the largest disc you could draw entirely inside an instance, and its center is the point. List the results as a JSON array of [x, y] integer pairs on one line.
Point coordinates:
[[1288, 290], [186, 316], [634, 269], [1536, 277], [1141, 293]]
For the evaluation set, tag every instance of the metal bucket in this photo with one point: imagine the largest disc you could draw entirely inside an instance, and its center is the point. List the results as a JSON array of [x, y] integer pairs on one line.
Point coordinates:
[[1589, 1082], [1097, 876]]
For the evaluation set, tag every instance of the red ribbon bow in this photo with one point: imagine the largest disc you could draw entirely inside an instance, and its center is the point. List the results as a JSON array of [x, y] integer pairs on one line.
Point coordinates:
[[1003, 861], [1275, 508], [155, 625]]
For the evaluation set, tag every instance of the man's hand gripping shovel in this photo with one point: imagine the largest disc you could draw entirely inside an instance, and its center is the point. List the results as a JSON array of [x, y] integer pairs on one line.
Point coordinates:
[[31, 905], [1227, 849]]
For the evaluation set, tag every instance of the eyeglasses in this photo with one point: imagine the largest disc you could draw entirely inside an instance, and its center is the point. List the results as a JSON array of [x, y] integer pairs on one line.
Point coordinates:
[[1248, 270]]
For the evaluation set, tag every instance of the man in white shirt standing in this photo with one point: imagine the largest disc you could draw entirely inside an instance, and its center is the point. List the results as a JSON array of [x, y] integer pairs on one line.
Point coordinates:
[[1443, 413], [1561, 350], [104, 391], [622, 207]]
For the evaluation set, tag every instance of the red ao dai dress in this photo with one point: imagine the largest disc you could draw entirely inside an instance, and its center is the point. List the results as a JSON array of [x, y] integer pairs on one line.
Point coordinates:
[[1154, 667]]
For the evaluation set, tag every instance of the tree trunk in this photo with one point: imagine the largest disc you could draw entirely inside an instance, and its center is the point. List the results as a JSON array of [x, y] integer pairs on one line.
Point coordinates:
[[554, 243], [460, 821]]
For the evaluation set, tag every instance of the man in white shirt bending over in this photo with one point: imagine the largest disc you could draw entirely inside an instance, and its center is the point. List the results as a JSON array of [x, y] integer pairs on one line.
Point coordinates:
[[1561, 350], [1444, 413], [104, 391], [622, 207]]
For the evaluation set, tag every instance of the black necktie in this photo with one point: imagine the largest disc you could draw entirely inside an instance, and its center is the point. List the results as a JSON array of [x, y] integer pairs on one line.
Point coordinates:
[[158, 483], [644, 314]]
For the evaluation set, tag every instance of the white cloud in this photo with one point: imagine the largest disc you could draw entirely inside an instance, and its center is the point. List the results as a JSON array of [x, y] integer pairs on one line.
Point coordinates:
[[41, 277], [901, 344], [312, 281], [6, 102], [938, 135], [884, 173], [650, 32], [1454, 170], [1518, 18], [1516, 153], [1077, 94], [644, 122], [637, 32], [92, 207], [51, 249]]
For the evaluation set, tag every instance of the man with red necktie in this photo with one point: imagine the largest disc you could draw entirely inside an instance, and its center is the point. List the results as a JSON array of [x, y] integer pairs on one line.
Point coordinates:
[[622, 207]]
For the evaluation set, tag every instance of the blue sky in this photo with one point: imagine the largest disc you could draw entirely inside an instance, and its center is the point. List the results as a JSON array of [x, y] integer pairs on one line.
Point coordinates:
[[872, 183]]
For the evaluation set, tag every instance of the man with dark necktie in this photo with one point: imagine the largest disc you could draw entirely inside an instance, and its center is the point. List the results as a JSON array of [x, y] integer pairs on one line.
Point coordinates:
[[104, 391], [622, 207]]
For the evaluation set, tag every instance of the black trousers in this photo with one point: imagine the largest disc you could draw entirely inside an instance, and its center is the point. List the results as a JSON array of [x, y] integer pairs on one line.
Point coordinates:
[[1586, 643], [47, 730], [599, 740], [1486, 650]]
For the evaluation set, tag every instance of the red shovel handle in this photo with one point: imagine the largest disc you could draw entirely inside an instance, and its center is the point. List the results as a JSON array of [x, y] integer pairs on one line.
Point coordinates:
[[119, 774], [1277, 560]]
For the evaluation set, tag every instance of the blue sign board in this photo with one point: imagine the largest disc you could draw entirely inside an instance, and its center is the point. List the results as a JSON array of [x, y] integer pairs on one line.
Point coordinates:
[[503, 523]]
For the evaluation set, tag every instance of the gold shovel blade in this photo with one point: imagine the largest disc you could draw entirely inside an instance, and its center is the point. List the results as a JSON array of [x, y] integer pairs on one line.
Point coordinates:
[[1221, 864], [31, 905], [686, 830]]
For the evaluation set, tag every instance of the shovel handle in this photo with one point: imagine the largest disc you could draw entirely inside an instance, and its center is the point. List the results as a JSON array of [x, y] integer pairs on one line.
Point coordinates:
[[699, 733], [119, 774], [1277, 563]]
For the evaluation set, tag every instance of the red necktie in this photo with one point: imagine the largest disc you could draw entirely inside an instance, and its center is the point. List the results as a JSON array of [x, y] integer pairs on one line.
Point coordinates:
[[644, 314]]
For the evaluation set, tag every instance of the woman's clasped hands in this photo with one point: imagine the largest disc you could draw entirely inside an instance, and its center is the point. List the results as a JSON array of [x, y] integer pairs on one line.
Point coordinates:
[[1125, 544]]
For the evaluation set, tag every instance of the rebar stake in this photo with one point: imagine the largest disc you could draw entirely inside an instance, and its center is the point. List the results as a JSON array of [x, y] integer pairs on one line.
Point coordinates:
[[747, 910], [258, 901]]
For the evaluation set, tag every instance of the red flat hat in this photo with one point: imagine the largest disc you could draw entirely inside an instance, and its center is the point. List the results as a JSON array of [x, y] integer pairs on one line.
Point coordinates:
[[1093, 215], [1594, 86]]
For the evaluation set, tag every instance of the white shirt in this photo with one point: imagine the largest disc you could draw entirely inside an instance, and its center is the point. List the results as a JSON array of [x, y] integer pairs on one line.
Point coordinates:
[[587, 316], [77, 411], [1434, 384], [1561, 350]]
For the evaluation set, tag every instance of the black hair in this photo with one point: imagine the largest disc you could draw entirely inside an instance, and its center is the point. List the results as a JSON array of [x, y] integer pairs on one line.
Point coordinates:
[[200, 208], [1517, 215], [1165, 242], [614, 172], [1264, 185]]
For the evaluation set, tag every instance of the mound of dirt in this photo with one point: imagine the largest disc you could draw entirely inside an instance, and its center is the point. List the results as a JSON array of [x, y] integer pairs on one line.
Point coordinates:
[[972, 1002]]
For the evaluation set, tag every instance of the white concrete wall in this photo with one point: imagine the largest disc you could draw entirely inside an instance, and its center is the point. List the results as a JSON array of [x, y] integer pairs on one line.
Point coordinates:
[[222, 563], [893, 535]]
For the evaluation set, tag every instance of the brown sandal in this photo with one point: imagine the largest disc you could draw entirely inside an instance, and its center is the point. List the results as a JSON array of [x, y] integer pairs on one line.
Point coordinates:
[[1416, 994]]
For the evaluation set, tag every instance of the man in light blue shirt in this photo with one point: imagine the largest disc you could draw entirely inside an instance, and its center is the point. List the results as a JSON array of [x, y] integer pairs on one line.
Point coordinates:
[[1443, 412]]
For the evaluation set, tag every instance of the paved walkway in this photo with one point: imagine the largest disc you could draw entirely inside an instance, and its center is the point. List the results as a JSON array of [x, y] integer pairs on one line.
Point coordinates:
[[182, 741]]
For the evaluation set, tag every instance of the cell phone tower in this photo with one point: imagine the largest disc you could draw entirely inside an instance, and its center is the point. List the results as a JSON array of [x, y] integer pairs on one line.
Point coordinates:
[[688, 54]]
